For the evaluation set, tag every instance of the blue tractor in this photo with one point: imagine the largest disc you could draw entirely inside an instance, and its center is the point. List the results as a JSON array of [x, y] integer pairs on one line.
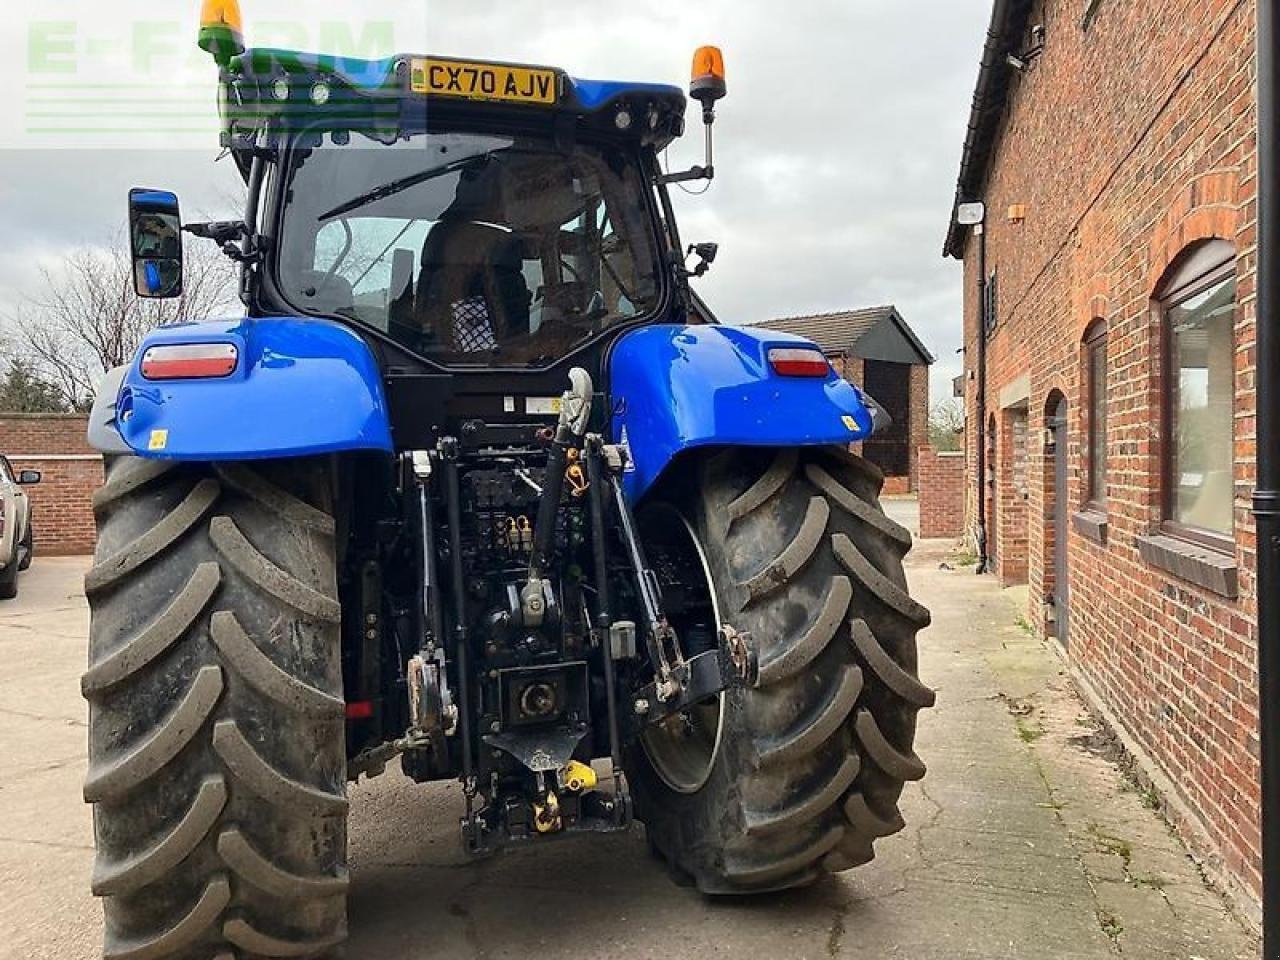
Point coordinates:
[[475, 482]]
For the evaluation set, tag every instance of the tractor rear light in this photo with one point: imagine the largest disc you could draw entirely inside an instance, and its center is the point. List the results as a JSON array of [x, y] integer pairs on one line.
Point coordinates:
[[799, 362], [193, 361], [360, 710]]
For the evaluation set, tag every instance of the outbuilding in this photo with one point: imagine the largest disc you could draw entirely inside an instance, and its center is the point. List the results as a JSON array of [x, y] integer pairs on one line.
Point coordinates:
[[876, 350]]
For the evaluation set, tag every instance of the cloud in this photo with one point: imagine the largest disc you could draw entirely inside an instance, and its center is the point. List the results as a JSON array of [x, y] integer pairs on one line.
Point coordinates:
[[837, 148]]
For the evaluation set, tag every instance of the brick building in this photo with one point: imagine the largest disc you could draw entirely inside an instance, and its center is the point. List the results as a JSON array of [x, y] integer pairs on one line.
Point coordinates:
[[1113, 145], [875, 349], [56, 446]]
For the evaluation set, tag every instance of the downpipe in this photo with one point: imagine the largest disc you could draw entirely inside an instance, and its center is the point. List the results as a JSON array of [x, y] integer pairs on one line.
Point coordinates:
[[980, 535], [1266, 496]]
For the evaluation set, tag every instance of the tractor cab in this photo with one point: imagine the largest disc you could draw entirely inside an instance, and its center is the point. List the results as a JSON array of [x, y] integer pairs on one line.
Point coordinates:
[[470, 214]]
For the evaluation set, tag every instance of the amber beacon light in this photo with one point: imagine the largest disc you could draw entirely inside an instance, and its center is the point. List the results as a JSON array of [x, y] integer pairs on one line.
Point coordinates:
[[708, 77], [221, 30]]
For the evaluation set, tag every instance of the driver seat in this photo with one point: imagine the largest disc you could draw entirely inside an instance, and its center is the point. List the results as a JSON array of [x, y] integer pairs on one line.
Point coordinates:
[[472, 295]]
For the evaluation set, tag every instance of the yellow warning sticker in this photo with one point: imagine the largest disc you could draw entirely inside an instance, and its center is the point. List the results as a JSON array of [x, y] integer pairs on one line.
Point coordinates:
[[542, 406], [159, 440], [851, 423]]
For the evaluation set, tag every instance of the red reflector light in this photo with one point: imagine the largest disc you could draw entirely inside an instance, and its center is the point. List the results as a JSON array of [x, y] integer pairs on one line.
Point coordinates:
[[798, 362], [192, 361], [360, 710]]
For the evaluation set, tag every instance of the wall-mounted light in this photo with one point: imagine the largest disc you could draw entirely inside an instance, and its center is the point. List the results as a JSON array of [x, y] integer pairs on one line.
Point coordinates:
[[971, 214]]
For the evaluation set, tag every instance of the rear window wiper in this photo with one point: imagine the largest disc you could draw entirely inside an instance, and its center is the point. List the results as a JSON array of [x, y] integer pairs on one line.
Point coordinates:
[[403, 184]]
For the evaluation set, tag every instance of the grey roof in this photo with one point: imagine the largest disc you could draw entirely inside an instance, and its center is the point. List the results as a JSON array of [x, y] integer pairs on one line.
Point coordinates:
[[858, 332]]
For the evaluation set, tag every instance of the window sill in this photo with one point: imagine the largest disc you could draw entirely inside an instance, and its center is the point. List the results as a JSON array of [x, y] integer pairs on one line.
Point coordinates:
[[1091, 524], [1214, 571]]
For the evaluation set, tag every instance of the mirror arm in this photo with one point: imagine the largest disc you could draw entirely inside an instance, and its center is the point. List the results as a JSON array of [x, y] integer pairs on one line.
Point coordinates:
[[221, 232], [693, 173]]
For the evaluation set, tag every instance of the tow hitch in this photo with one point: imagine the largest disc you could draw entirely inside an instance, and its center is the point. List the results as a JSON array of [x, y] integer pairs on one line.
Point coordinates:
[[732, 664]]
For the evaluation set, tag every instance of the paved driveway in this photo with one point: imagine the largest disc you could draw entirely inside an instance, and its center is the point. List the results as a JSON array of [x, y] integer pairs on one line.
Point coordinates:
[[905, 510], [1023, 840]]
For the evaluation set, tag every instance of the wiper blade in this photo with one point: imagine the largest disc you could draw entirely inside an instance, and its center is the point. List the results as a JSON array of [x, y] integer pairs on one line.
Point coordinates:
[[403, 184]]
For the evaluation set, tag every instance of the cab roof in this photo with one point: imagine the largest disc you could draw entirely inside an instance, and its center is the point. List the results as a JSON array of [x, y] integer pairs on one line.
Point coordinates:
[[379, 97]]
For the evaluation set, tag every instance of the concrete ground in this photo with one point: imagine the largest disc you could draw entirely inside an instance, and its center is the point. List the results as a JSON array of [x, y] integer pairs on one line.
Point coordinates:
[[904, 510], [1023, 841]]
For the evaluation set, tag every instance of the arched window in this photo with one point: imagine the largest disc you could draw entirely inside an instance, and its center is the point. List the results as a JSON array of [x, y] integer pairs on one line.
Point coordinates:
[[1095, 360], [1197, 303]]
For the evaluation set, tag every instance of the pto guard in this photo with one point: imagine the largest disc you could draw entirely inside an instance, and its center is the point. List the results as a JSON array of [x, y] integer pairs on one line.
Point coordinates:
[[678, 388], [301, 387]]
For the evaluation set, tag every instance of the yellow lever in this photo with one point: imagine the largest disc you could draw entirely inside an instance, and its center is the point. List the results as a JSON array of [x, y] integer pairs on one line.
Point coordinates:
[[578, 777]]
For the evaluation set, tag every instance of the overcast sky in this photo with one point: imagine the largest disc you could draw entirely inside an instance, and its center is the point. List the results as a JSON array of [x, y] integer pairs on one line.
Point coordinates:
[[837, 148]]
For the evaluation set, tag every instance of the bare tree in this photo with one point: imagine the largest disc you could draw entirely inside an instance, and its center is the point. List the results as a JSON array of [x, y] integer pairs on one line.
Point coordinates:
[[946, 424], [87, 318]]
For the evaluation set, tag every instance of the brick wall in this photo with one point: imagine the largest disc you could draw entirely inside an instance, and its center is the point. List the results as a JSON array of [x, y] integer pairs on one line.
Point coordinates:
[[942, 495], [1118, 177], [56, 446]]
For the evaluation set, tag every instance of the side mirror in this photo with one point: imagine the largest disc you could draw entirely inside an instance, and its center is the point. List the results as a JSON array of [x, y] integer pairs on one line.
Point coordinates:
[[28, 478], [155, 238]]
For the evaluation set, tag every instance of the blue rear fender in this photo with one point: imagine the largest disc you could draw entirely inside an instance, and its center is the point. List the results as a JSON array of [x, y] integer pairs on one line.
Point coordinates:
[[679, 388], [301, 387]]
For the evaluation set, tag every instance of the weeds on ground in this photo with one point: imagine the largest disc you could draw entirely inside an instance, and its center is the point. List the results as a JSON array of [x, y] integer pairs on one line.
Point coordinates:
[[1110, 843], [1053, 805], [1147, 794], [1028, 731], [1110, 924], [963, 558], [1152, 881]]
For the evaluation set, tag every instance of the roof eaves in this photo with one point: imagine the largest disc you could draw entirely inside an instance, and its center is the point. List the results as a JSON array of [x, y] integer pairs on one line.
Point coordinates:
[[990, 97]]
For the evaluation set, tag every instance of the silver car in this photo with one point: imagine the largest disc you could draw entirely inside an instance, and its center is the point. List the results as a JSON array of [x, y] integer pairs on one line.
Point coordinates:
[[15, 526]]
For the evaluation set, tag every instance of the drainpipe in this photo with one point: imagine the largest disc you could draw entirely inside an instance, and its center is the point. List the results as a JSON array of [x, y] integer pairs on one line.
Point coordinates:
[[981, 534], [1266, 496]]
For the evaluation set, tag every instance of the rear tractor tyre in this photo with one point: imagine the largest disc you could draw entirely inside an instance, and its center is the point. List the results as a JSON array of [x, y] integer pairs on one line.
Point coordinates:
[[800, 775], [217, 761]]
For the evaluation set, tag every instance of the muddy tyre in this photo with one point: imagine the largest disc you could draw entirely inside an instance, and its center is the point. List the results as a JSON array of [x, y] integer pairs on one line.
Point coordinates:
[[803, 772], [216, 721]]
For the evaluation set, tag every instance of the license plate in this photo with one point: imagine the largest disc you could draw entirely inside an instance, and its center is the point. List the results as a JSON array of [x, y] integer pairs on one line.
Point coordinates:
[[484, 81]]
